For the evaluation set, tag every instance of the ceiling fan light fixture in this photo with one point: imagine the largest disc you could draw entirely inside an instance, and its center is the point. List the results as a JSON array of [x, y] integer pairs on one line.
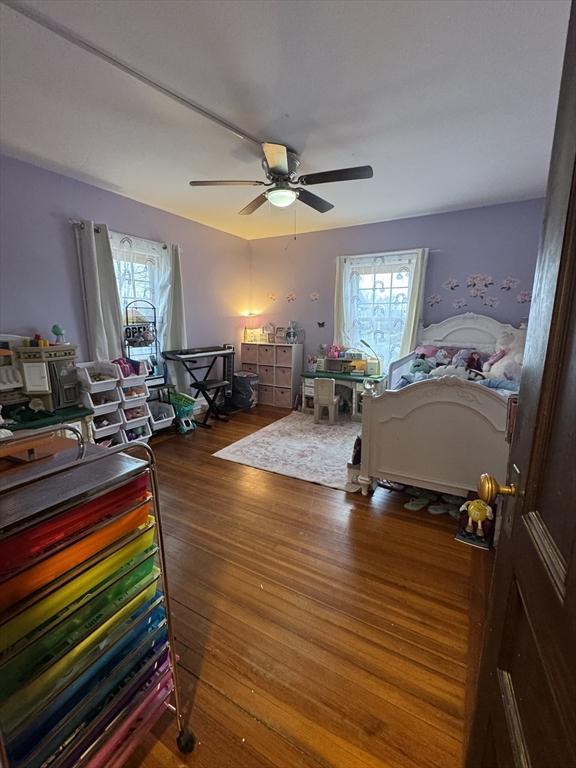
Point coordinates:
[[281, 197]]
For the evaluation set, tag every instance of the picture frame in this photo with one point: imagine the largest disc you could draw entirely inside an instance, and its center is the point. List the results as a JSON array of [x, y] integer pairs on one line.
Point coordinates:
[[280, 336]]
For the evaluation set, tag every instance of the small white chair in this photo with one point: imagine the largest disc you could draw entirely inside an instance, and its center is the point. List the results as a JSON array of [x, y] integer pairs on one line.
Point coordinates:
[[325, 397]]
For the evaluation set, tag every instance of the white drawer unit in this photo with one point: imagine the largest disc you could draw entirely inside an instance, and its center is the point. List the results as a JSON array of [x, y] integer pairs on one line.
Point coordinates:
[[278, 367]]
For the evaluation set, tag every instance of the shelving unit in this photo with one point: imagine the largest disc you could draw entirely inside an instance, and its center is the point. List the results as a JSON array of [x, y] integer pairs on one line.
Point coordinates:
[[87, 656], [278, 367]]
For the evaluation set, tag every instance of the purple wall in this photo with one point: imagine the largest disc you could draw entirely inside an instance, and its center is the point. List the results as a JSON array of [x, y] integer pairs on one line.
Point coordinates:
[[39, 283], [225, 276], [499, 242]]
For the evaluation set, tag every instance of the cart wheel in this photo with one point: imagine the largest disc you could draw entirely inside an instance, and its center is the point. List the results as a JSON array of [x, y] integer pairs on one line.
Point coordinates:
[[186, 741]]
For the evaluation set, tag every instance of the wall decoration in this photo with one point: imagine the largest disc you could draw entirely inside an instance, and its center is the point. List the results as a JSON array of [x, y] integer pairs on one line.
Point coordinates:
[[433, 300], [524, 297], [491, 301], [451, 284], [272, 296], [314, 296], [459, 303], [291, 297], [508, 283], [478, 285], [321, 324]]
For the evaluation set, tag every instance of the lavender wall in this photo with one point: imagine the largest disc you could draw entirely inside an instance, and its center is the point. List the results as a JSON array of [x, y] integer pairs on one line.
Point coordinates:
[[224, 276], [39, 282], [294, 279]]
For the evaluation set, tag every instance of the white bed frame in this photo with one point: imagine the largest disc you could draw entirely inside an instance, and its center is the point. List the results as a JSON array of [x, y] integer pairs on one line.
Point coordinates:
[[439, 433]]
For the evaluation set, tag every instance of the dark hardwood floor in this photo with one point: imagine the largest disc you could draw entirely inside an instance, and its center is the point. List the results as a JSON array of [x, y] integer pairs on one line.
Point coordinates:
[[316, 629]]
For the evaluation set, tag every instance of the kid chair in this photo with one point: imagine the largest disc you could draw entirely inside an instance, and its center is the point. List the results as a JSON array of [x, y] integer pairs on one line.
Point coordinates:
[[325, 397]]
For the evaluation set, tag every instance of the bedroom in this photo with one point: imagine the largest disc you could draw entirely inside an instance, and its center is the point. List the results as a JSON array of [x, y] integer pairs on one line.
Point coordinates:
[[315, 627]]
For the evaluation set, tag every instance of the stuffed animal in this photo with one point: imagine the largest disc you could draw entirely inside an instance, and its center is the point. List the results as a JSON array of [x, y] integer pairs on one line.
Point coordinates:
[[443, 357], [421, 365], [509, 365]]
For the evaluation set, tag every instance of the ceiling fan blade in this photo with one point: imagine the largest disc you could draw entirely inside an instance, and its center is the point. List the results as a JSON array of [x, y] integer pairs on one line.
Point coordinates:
[[309, 198], [254, 205], [342, 174], [277, 158], [226, 183]]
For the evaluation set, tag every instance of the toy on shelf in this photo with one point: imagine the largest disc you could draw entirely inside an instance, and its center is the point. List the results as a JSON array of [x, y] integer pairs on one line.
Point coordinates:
[[59, 332]]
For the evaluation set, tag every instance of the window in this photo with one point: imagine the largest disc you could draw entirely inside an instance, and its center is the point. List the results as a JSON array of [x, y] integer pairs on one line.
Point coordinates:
[[379, 300], [139, 266]]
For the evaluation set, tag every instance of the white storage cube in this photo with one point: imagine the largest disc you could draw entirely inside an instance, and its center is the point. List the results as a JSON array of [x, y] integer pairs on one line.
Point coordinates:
[[102, 402], [143, 430], [89, 373], [114, 423], [162, 415], [133, 395], [136, 379], [130, 421]]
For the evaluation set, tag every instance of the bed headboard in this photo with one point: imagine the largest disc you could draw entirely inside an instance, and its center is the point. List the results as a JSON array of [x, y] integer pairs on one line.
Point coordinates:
[[467, 330]]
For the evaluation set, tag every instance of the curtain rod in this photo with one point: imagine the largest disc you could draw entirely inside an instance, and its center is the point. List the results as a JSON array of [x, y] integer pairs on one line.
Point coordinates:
[[80, 224], [81, 42]]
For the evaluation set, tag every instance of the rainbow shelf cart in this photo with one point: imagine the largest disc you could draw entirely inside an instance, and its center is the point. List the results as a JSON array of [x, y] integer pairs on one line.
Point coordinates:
[[87, 660]]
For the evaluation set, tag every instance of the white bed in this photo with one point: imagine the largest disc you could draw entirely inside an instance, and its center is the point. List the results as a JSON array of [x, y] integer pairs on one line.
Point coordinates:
[[439, 433]]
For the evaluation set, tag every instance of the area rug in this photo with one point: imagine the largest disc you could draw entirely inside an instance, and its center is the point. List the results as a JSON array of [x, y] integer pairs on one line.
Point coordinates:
[[297, 447]]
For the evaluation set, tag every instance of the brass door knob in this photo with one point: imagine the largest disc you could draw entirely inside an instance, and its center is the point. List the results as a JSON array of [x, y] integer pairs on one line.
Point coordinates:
[[489, 488]]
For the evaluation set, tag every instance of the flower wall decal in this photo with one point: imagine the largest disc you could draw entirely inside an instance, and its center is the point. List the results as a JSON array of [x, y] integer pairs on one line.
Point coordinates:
[[433, 300], [272, 296], [491, 301], [451, 284], [509, 283], [291, 297], [524, 297], [459, 303], [314, 296]]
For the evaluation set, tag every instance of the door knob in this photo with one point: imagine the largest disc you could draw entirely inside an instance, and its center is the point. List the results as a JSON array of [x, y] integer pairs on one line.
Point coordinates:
[[489, 488]]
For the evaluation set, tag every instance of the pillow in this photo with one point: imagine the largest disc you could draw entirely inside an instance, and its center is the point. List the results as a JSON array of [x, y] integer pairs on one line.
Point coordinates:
[[428, 350]]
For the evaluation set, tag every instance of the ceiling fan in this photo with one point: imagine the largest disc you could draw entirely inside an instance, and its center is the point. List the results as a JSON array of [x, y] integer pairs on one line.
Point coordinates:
[[280, 166]]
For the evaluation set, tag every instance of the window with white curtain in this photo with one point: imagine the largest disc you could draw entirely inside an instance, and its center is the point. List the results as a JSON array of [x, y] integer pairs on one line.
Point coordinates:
[[379, 301], [139, 265]]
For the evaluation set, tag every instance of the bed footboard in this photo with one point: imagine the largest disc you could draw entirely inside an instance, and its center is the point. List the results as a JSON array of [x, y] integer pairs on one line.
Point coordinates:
[[439, 434]]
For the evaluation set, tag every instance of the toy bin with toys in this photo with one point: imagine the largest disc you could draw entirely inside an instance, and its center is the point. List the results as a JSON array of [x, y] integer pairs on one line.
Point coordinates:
[[162, 415], [98, 376], [135, 416], [106, 424]]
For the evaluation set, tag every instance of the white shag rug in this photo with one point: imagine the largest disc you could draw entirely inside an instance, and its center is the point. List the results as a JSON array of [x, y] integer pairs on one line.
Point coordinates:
[[297, 447]]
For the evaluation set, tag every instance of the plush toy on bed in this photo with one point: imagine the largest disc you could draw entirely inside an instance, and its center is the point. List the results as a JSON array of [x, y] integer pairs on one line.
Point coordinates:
[[421, 365], [506, 362]]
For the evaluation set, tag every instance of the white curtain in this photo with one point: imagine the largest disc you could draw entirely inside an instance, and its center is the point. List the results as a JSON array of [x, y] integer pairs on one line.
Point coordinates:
[[100, 292], [379, 299], [171, 300]]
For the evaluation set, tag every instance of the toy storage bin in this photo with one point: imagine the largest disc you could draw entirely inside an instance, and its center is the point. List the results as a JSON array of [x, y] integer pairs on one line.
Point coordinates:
[[115, 421], [162, 415], [137, 421], [144, 433], [102, 402], [135, 379], [115, 439], [133, 399], [87, 372]]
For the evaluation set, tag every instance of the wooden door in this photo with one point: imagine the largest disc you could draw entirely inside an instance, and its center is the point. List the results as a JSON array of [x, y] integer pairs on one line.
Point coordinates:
[[525, 714]]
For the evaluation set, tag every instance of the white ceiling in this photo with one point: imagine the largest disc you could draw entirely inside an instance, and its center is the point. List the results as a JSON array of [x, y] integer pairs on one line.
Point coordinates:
[[451, 101]]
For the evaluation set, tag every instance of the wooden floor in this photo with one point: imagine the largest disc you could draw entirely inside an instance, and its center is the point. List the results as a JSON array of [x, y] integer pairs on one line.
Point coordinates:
[[315, 628]]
